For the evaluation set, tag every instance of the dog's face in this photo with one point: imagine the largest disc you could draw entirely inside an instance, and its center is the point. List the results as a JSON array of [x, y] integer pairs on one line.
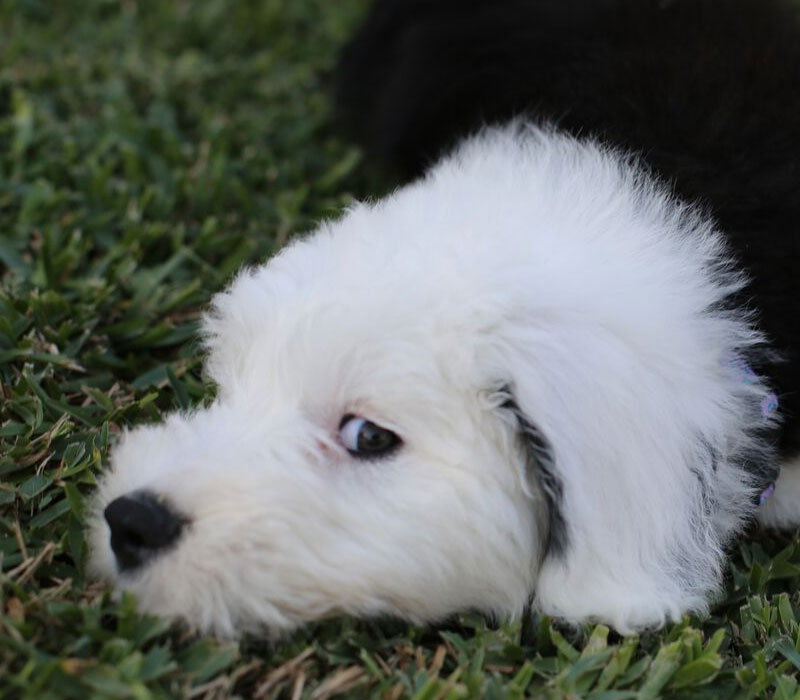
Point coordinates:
[[356, 460]]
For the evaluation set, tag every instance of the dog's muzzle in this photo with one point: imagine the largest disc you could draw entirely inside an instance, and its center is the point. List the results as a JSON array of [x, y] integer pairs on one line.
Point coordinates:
[[142, 525]]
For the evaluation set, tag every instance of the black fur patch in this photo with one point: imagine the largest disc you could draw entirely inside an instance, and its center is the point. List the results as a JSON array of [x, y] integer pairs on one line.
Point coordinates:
[[541, 464]]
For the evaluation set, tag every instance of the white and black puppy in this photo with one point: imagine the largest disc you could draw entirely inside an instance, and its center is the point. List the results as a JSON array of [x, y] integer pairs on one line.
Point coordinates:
[[538, 370]]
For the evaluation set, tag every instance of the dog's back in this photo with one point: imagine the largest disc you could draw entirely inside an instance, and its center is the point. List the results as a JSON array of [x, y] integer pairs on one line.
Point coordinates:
[[708, 91]]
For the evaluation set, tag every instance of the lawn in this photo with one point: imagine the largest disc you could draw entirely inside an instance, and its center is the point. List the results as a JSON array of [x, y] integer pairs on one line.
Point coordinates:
[[147, 151]]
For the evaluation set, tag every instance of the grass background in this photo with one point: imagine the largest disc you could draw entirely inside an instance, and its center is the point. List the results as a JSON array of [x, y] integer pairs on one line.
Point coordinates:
[[147, 150]]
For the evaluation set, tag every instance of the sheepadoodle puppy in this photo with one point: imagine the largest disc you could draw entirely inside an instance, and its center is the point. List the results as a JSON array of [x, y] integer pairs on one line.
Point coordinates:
[[559, 366]]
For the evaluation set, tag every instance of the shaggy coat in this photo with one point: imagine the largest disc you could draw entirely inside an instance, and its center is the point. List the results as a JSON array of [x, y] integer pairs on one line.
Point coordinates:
[[558, 366]]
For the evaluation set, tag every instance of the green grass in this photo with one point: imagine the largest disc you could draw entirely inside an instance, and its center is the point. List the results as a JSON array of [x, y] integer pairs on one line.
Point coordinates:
[[147, 150]]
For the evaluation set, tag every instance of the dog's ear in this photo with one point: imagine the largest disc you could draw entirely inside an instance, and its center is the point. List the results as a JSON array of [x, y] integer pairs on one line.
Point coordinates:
[[638, 467]]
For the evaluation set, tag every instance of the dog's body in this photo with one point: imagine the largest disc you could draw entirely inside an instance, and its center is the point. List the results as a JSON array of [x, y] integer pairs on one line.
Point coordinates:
[[534, 371]]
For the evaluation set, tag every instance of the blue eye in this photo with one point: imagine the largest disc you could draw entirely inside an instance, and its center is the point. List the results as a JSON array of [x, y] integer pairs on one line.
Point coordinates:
[[362, 438]]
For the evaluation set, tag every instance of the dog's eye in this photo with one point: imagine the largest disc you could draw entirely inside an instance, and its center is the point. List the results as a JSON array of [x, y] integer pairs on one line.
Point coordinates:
[[363, 438]]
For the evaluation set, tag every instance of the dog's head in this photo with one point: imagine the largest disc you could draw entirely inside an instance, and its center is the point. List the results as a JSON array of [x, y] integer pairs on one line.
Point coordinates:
[[442, 398], [357, 458]]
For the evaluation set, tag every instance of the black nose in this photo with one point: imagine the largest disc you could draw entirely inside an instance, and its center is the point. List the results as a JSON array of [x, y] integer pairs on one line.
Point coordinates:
[[141, 525]]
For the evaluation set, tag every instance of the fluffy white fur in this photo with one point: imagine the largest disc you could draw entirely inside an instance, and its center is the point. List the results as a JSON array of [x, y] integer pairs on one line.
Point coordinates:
[[526, 260]]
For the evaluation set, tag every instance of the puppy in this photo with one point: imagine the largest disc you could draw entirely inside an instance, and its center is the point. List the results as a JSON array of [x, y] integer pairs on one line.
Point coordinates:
[[559, 365]]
